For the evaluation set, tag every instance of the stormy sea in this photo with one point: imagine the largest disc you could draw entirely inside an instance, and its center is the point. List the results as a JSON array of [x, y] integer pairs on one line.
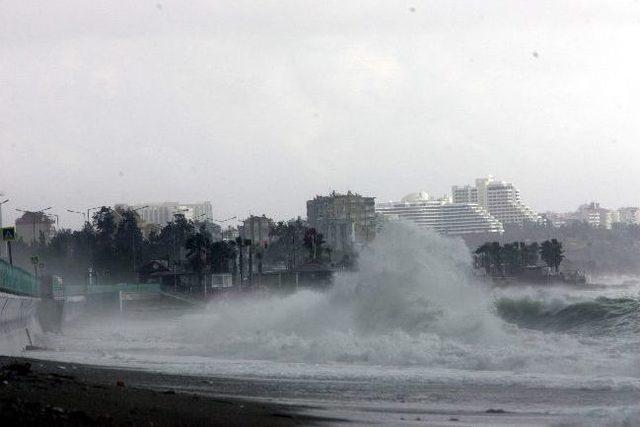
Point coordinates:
[[410, 338]]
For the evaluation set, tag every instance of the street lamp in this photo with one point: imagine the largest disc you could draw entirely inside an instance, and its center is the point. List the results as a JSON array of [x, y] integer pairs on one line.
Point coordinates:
[[91, 273], [87, 219], [221, 227], [89, 210], [133, 238], [57, 219], [79, 213], [2, 203], [176, 213]]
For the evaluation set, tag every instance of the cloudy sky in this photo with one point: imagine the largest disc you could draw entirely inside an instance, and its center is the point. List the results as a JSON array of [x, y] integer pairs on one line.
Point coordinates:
[[259, 105]]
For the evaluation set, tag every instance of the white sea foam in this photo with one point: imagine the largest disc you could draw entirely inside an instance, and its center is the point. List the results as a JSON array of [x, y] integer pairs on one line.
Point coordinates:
[[412, 301]]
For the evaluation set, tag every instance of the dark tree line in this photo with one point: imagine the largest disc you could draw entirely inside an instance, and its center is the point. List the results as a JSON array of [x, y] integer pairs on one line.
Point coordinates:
[[114, 246], [512, 258], [591, 249]]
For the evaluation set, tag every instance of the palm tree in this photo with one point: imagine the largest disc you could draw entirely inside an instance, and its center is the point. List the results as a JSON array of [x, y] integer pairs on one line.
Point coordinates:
[[221, 253], [495, 253], [511, 256], [533, 252], [313, 241], [523, 251], [552, 253], [198, 255], [483, 258], [558, 253]]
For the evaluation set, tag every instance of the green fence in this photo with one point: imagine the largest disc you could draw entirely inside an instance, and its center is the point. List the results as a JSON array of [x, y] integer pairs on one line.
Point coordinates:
[[69, 290], [17, 281]]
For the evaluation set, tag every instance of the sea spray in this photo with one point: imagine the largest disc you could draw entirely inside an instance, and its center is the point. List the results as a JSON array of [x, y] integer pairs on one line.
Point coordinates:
[[412, 299]]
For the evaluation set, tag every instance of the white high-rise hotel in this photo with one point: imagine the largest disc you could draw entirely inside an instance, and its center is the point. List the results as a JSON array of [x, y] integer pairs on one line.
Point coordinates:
[[501, 199], [480, 209], [441, 215]]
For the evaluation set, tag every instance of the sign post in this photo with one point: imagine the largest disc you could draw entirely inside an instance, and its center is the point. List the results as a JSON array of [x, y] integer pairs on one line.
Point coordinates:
[[8, 235]]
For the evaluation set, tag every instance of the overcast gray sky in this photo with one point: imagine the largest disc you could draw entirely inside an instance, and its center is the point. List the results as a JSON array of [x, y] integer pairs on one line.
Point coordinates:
[[258, 106]]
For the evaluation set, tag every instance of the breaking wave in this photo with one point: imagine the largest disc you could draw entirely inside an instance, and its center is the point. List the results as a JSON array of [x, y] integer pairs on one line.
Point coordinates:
[[412, 301], [598, 316]]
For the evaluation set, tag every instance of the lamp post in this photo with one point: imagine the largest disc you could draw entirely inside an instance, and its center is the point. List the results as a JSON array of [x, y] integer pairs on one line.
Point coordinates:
[[79, 213], [133, 238], [220, 221], [178, 212], [2, 244], [57, 219], [88, 218], [92, 276]]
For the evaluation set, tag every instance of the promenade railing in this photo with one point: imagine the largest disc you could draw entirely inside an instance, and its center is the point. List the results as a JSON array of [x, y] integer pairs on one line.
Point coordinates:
[[15, 280]]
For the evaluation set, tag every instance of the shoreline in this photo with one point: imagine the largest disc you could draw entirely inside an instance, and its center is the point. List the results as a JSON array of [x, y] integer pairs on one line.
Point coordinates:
[[37, 392]]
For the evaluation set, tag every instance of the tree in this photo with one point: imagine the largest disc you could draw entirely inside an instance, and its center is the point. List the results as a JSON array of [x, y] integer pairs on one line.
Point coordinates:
[[552, 253], [242, 243], [495, 254], [313, 241], [198, 254], [222, 253], [533, 252], [169, 241], [512, 257], [483, 258], [286, 243], [105, 256]]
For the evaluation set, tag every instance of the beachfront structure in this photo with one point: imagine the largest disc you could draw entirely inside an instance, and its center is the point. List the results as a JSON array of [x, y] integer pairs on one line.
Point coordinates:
[[345, 220], [501, 199], [442, 215]]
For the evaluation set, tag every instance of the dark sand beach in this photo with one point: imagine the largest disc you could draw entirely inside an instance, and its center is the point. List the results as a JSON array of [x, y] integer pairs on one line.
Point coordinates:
[[37, 392]]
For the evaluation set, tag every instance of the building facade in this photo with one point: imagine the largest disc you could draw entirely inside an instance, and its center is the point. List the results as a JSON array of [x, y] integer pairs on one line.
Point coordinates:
[[629, 215], [346, 221], [596, 216], [257, 229], [442, 215], [162, 213], [501, 199], [34, 227]]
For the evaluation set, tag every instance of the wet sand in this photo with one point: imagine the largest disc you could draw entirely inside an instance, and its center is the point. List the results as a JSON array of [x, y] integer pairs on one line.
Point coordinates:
[[37, 392]]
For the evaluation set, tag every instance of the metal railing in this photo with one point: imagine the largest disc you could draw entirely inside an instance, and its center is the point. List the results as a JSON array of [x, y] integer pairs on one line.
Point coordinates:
[[15, 280], [71, 290]]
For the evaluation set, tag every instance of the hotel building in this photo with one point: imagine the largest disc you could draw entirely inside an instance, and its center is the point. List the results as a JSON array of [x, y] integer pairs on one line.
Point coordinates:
[[345, 220], [442, 215], [501, 199]]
